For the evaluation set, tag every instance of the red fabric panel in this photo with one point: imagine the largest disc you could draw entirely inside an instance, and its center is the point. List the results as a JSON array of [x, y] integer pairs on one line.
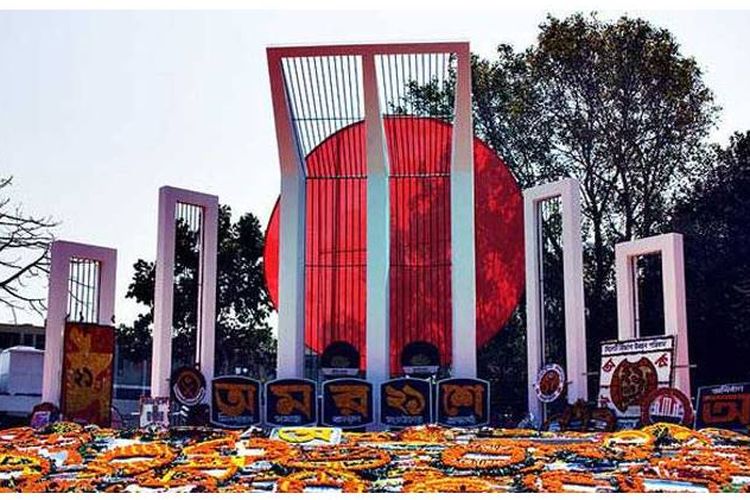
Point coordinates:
[[419, 155], [88, 352]]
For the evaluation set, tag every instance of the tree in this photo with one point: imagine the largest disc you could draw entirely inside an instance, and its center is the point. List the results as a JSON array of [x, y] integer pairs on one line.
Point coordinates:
[[24, 254], [627, 115], [243, 336], [613, 104], [715, 220]]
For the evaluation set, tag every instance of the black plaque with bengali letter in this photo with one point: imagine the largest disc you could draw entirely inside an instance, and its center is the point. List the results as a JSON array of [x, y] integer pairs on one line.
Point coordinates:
[[235, 402], [725, 406], [291, 402], [405, 402], [463, 402], [347, 403]]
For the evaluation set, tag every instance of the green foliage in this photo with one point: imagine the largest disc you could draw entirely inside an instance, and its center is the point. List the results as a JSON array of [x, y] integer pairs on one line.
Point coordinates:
[[715, 221], [243, 336], [615, 105]]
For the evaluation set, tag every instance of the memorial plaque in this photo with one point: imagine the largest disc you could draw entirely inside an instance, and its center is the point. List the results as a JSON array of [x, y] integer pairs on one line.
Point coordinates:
[[725, 406], [291, 402], [667, 405], [347, 403], [631, 370], [188, 386], [88, 352], [463, 402], [405, 402], [235, 402], [550, 383]]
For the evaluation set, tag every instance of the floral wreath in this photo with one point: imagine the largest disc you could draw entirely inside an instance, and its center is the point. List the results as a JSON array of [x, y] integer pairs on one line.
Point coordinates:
[[500, 458], [466, 484], [555, 481], [336, 479], [112, 462], [338, 457]]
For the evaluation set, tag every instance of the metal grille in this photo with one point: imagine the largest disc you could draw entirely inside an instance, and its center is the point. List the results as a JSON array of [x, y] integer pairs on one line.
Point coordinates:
[[189, 229], [83, 290], [551, 280], [327, 107], [326, 104], [419, 138], [411, 86], [325, 96]]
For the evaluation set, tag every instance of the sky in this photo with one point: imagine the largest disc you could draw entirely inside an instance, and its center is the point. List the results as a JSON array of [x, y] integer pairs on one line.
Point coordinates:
[[100, 109]]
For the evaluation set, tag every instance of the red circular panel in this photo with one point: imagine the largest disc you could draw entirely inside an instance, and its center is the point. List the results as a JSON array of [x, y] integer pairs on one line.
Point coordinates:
[[420, 238]]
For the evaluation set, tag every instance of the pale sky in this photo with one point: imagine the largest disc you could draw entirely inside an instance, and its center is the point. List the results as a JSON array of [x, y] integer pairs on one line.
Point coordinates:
[[100, 109]]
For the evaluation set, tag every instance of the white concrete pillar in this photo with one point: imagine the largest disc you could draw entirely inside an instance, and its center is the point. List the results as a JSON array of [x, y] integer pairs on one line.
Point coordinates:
[[293, 211], [568, 190], [670, 247], [161, 360], [378, 238], [463, 266], [61, 254]]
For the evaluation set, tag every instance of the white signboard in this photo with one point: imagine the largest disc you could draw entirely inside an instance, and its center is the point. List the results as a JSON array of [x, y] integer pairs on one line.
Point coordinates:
[[154, 411], [630, 370]]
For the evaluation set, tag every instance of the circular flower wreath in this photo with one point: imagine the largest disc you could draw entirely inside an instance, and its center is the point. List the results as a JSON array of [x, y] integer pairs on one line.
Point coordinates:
[[77, 485], [555, 481], [53, 443], [265, 450], [222, 468], [630, 437], [22, 464], [24, 472], [664, 433], [177, 478], [725, 437], [119, 461], [490, 457], [451, 485], [340, 480], [11, 436], [335, 457], [213, 446], [699, 466], [426, 434]]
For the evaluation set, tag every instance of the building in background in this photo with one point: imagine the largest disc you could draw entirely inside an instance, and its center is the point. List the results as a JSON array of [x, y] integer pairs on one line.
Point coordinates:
[[21, 364]]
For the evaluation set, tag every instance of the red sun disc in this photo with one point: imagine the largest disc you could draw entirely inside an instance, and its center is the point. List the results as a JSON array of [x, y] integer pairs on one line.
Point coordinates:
[[420, 293]]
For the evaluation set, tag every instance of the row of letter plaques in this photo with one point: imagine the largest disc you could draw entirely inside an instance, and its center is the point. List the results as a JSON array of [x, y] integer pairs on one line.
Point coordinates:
[[348, 402]]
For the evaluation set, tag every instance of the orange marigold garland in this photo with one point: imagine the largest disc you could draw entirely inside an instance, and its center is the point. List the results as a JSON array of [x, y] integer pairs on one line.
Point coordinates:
[[119, 461], [463, 484], [23, 472], [484, 457], [335, 479], [666, 433], [629, 483], [223, 444], [23, 464], [257, 449], [338, 457], [218, 467], [556, 481], [630, 438], [426, 434], [178, 478]]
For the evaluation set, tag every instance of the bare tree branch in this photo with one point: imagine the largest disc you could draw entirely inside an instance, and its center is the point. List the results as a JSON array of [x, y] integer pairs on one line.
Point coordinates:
[[24, 255]]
